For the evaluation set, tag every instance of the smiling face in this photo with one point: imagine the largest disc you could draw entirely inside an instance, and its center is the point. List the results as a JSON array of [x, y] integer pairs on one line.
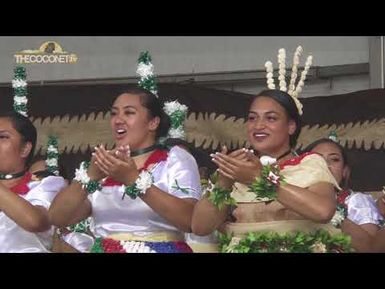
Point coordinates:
[[13, 151], [268, 127], [334, 159], [131, 122]]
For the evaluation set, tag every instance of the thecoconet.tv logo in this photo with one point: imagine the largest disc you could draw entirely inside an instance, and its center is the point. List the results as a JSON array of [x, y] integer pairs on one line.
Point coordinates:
[[49, 52]]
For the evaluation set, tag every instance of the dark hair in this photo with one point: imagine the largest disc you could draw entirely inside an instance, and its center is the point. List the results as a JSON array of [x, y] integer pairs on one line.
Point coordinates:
[[155, 107], [287, 102], [25, 128], [45, 172], [310, 147], [178, 142]]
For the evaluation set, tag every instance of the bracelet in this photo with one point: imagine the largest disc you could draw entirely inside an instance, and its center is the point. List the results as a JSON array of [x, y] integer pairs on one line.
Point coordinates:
[[341, 208], [81, 227], [339, 216], [219, 196], [81, 176], [265, 187], [142, 183]]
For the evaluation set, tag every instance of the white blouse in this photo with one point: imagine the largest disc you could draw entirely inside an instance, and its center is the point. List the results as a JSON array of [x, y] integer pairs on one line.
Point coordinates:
[[362, 209], [13, 238], [112, 215]]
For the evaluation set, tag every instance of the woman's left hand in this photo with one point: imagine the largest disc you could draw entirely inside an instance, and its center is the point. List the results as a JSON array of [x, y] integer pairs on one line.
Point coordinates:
[[117, 164], [243, 171]]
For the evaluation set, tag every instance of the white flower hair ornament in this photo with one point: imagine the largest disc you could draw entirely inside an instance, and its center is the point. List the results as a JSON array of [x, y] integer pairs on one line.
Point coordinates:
[[293, 90], [145, 70], [176, 111]]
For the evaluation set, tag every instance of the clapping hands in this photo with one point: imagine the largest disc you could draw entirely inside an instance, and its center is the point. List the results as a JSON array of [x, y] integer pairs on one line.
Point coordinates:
[[240, 165], [117, 164]]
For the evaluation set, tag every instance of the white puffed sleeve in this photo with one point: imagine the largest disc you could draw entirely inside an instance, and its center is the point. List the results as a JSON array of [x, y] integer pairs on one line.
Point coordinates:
[[182, 174], [43, 192], [362, 209]]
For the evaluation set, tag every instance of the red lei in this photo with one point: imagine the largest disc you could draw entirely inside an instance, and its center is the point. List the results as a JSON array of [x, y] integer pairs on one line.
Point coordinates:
[[21, 188], [341, 196], [294, 161]]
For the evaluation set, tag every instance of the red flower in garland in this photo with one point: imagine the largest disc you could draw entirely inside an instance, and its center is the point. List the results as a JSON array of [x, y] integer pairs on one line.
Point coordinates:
[[274, 178], [341, 197]]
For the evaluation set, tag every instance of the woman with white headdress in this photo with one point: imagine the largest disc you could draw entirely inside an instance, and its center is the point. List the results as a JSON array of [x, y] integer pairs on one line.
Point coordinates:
[[270, 188]]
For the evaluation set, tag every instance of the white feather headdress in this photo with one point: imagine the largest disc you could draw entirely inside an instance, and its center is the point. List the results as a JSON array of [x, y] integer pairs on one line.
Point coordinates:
[[293, 90]]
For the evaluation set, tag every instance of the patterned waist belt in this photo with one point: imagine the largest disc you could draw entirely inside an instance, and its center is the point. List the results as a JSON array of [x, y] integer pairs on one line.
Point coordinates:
[[162, 236], [157, 242]]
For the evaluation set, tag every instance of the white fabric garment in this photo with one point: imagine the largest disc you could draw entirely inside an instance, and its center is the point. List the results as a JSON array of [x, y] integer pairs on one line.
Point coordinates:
[[208, 239], [13, 238], [362, 209], [112, 215]]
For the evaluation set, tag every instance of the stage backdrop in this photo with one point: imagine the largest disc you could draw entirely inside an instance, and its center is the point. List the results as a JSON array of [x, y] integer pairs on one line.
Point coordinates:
[[79, 116]]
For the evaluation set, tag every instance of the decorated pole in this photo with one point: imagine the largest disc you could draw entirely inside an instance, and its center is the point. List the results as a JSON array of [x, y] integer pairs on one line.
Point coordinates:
[[52, 160], [19, 85]]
